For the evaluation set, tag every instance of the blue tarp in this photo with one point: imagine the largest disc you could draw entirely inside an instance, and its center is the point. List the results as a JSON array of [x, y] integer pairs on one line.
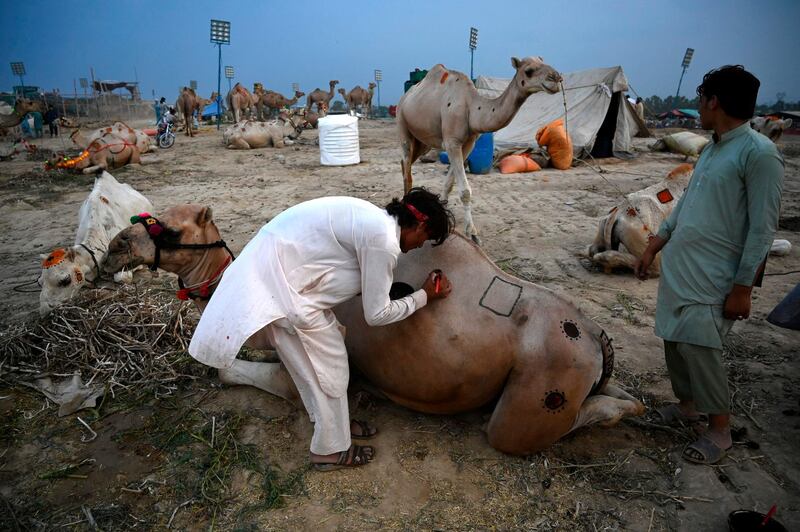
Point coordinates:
[[211, 110]]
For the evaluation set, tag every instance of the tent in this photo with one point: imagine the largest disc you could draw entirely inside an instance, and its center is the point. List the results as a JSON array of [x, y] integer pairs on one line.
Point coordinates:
[[600, 121], [680, 113], [211, 110]]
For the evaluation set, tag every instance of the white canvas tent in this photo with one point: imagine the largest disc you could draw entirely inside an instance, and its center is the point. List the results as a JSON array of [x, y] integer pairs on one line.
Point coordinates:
[[600, 120]]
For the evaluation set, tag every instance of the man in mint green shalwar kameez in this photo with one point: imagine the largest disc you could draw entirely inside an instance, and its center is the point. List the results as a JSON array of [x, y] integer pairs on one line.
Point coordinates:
[[714, 245]]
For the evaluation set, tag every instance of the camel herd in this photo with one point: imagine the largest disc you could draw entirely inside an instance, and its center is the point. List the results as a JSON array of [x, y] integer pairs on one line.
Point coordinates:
[[545, 365]]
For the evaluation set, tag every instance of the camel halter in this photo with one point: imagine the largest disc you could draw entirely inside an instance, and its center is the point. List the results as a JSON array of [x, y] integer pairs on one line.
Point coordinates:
[[155, 230]]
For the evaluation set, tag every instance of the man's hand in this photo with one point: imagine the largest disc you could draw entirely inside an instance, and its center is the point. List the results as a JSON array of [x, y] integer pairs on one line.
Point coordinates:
[[642, 264], [737, 303], [437, 286]]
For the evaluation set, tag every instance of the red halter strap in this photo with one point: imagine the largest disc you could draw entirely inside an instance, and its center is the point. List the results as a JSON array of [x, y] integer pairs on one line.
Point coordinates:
[[202, 289]]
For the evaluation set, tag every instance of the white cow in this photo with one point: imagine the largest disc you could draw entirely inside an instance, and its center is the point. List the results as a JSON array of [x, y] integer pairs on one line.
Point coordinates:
[[770, 126], [106, 212]]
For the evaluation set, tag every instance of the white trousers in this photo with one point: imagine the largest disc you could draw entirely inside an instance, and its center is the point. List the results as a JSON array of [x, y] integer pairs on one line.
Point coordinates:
[[330, 415]]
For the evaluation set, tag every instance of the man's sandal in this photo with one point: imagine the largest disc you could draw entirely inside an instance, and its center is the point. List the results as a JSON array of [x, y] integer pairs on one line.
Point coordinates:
[[704, 451], [672, 416], [355, 456], [366, 432]]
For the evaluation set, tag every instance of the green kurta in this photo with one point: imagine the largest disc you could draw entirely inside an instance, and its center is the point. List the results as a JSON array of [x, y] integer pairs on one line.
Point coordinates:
[[718, 235]]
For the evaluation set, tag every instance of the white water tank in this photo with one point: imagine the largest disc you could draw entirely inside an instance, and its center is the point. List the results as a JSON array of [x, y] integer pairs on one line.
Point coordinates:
[[338, 140]]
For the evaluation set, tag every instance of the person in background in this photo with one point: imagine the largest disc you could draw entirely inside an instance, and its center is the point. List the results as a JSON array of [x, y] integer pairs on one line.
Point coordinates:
[[715, 245], [38, 128], [51, 119], [639, 106]]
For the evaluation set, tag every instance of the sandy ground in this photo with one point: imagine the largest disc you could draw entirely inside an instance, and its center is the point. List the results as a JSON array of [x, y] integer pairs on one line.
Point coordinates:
[[433, 473]]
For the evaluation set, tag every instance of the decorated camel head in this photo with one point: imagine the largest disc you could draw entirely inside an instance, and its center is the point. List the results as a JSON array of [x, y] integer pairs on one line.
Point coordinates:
[[104, 153], [539, 364], [445, 111], [770, 126]]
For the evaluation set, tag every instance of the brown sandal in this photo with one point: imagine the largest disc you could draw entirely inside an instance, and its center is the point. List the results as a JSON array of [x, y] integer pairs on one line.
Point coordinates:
[[367, 432], [355, 456]]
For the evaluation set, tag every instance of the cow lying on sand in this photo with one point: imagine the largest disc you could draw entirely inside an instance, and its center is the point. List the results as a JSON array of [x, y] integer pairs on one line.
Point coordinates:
[[103, 214], [495, 338]]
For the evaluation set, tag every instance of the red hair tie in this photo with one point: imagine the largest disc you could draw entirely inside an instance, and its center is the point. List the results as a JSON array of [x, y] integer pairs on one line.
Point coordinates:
[[418, 215]]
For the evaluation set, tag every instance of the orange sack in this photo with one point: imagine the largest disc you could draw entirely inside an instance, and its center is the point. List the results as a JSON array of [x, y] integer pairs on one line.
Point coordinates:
[[518, 163], [554, 137]]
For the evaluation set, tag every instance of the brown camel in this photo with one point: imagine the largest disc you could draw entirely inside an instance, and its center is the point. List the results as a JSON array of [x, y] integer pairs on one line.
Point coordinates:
[[275, 101], [445, 111], [240, 99], [496, 338], [357, 97], [370, 92], [187, 103], [321, 98], [22, 107], [104, 153]]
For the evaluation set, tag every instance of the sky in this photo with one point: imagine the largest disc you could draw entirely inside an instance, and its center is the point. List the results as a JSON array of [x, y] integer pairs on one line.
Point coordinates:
[[165, 44]]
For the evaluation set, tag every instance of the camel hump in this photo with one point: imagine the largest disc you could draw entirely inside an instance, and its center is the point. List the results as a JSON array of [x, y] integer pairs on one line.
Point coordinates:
[[680, 170]]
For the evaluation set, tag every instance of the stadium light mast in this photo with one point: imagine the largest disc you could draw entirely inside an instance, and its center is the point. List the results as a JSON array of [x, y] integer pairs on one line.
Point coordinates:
[[378, 79], [473, 43], [220, 34], [687, 58], [18, 69], [229, 75]]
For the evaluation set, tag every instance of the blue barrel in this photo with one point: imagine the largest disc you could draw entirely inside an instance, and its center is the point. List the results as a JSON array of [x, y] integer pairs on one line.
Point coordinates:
[[480, 159], [443, 158]]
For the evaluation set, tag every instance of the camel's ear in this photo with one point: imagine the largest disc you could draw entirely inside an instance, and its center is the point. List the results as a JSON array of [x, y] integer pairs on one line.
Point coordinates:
[[204, 216], [787, 123], [515, 63]]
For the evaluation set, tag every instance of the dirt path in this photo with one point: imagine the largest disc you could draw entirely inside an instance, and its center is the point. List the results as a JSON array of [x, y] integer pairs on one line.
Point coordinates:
[[431, 472]]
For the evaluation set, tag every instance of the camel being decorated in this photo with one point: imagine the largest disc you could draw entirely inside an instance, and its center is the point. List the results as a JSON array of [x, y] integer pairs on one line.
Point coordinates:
[[321, 99], [274, 102], [240, 99], [445, 111], [12, 116], [105, 212], [496, 338], [104, 153], [249, 134], [623, 234], [187, 104], [118, 129], [359, 97], [770, 126]]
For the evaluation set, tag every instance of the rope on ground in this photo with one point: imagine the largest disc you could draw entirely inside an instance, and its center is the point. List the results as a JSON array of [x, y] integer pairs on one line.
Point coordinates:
[[782, 273]]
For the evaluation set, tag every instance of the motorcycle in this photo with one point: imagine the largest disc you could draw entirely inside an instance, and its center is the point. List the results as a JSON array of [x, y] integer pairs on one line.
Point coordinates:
[[165, 137]]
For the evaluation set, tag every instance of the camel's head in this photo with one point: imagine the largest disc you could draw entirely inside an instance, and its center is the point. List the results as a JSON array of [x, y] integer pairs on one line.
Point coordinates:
[[299, 94], [372, 85], [61, 278], [533, 75], [334, 82], [770, 126], [67, 122], [24, 105], [183, 224]]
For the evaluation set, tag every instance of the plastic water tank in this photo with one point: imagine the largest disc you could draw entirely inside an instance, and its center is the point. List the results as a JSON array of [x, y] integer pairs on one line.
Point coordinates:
[[338, 140], [480, 159]]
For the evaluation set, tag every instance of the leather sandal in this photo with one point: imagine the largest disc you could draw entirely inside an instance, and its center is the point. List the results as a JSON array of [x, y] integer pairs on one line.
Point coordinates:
[[367, 431], [355, 456]]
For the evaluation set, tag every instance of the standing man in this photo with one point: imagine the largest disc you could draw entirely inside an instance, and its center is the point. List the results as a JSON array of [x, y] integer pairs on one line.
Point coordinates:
[[51, 119], [304, 262], [639, 106], [715, 244]]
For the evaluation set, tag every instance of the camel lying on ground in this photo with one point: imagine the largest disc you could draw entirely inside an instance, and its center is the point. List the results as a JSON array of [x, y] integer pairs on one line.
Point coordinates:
[[118, 129], [104, 153], [770, 126], [249, 134], [623, 234], [359, 97], [240, 99], [103, 214], [321, 99], [445, 111], [495, 338]]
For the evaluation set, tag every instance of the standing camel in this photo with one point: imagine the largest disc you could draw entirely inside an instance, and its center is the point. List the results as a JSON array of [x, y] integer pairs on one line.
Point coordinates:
[[321, 98], [275, 101], [239, 99], [370, 92], [186, 104], [358, 97], [444, 110]]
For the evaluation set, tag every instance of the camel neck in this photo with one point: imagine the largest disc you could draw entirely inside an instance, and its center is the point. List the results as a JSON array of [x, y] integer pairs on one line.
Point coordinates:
[[487, 114]]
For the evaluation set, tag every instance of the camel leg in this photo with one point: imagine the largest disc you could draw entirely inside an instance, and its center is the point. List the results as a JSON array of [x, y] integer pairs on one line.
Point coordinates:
[[270, 377], [135, 158], [92, 169], [456, 152], [615, 259], [412, 150], [238, 144], [608, 408]]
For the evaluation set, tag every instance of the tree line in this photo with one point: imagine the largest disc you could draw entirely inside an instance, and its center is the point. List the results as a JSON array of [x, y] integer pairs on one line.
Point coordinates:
[[657, 105]]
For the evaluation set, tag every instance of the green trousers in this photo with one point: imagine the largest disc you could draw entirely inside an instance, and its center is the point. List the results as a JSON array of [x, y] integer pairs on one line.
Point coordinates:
[[698, 374]]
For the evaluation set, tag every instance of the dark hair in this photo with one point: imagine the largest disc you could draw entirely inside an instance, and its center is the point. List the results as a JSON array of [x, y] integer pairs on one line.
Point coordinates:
[[735, 88], [639, 99], [162, 100], [440, 220]]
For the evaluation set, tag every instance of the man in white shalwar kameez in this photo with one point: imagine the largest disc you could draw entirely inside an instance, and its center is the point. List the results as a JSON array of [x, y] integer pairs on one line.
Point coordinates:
[[304, 262]]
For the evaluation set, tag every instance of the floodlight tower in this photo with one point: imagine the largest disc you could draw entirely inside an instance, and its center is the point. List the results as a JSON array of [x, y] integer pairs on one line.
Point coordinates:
[[687, 58], [473, 43], [18, 69], [378, 79], [229, 75], [220, 34]]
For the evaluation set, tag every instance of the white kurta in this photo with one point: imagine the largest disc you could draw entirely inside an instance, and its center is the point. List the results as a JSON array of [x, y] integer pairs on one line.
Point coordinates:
[[308, 259]]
